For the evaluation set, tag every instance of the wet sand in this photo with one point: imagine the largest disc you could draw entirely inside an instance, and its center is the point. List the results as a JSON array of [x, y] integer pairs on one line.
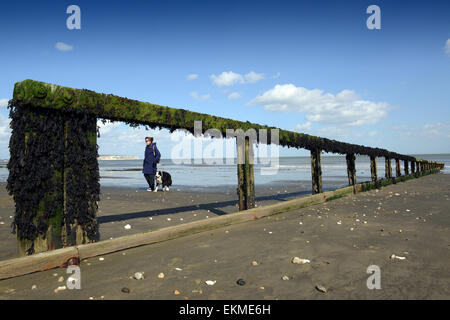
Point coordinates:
[[147, 211], [341, 239]]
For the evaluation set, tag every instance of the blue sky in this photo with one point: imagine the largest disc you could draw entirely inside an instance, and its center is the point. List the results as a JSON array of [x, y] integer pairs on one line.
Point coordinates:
[[309, 66]]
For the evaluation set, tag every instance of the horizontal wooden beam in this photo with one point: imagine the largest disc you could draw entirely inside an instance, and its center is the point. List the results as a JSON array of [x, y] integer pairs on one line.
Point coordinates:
[[133, 112]]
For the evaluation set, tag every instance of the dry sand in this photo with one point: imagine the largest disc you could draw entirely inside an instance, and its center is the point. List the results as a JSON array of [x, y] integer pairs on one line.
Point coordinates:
[[341, 238], [147, 211]]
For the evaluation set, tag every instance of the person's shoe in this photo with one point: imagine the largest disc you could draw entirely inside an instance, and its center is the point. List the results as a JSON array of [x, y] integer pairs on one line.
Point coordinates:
[[149, 190], [156, 190]]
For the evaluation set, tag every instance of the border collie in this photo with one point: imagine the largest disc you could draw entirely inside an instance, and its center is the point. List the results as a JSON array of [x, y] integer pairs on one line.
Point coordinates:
[[164, 179]]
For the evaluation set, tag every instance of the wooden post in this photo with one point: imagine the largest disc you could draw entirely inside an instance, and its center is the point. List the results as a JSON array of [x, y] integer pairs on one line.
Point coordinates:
[[398, 171], [249, 175], [80, 180], [351, 170], [387, 167], [241, 173], [373, 168], [246, 185], [47, 211], [405, 164], [316, 171], [413, 167], [59, 206]]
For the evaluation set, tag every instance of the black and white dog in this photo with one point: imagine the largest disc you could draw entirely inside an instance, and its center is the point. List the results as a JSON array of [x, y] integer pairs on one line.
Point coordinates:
[[164, 179]]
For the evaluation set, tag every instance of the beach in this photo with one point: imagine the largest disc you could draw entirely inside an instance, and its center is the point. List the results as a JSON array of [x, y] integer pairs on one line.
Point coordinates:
[[148, 211], [340, 238]]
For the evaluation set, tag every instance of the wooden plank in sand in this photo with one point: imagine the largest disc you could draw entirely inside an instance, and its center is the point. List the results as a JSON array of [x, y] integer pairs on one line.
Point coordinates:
[[37, 262]]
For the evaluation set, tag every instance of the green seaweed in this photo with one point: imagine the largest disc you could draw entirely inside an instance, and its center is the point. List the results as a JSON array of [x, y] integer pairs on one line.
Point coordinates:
[[135, 113]]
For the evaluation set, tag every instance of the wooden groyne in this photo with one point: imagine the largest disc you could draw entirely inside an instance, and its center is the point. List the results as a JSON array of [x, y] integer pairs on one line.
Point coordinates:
[[53, 167]]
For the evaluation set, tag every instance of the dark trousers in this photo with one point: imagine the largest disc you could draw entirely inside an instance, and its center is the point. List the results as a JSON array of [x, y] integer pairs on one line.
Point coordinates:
[[150, 180]]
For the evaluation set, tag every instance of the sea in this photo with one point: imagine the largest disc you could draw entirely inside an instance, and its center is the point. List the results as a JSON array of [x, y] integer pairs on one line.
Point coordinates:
[[223, 172]]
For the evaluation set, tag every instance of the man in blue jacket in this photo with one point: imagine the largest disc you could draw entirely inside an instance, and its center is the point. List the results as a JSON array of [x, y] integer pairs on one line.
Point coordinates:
[[151, 158]]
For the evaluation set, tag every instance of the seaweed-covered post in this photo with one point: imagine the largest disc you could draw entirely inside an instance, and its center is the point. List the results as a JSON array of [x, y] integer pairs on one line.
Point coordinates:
[[373, 168], [398, 171], [351, 170], [316, 171], [246, 185], [405, 165], [81, 179], [249, 174], [387, 167], [53, 171], [35, 177], [413, 167]]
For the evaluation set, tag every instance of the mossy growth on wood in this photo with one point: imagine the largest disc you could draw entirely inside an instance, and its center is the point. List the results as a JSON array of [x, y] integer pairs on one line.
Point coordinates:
[[135, 113]]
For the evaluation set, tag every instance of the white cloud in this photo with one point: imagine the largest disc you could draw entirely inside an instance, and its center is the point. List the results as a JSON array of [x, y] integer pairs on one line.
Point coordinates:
[[226, 79], [5, 130], [3, 103], [428, 130], [234, 95], [304, 126], [276, 76], [107, 126], [372, 133], [253, 77], [334, 132], [61, 46], [230, 78], [344, 109], [196, 96], [447, 47], [437, 129], [191, 76]]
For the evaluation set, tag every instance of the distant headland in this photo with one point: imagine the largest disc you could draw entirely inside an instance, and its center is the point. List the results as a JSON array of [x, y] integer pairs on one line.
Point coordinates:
[[117, 157]]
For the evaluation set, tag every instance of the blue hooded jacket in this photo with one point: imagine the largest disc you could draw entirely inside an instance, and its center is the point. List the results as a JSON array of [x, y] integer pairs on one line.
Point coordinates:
[[150, 160]]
